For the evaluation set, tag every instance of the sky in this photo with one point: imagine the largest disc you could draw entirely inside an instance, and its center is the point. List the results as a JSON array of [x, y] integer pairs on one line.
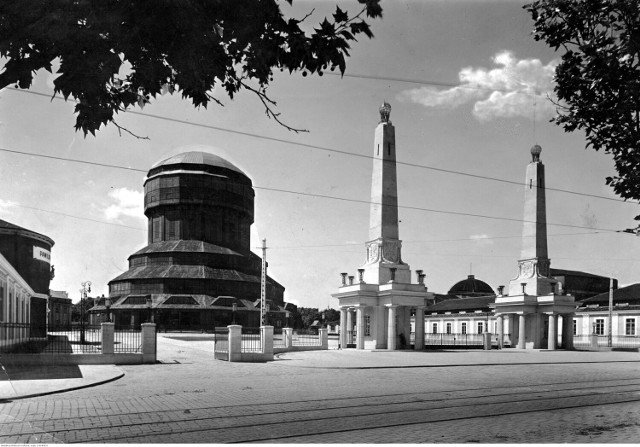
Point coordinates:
[[468, 86]]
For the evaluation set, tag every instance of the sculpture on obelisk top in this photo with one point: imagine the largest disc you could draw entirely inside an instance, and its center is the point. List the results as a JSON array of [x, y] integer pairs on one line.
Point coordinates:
[[385, 111]]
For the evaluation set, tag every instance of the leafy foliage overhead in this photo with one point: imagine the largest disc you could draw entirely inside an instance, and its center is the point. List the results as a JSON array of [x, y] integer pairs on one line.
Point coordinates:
[[116, 54], [598, 79]]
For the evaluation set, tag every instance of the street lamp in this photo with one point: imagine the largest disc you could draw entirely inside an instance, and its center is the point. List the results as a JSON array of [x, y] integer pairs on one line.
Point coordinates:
[[107, 304], [149, 302], [266, 314], [86, 288], [287, 315], [235, 309]]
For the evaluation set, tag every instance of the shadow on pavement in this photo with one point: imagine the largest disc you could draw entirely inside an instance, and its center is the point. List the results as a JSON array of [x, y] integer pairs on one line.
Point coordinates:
[[41, 372]]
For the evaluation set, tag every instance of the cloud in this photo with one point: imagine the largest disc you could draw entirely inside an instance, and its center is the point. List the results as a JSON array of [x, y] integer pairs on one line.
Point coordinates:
[[509, 90], [127, 203], [6, 206], [483, 239]]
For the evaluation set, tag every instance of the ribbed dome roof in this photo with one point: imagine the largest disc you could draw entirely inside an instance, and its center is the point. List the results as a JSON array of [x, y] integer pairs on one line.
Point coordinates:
[[198, 158], [471, 287]]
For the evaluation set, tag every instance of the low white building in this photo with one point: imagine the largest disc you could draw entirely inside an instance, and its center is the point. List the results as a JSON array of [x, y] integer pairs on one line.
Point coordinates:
[[15, 309]]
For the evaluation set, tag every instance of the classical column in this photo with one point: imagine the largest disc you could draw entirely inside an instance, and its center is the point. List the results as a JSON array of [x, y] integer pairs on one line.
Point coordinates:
[[349, 327], [567, 331], [419, 341], [522, 331], [391, 328], [343, 327], [552, 338], [359, 327], [500, 330]]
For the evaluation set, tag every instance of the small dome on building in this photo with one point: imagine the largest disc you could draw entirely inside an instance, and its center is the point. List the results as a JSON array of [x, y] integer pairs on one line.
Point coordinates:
[[471, 287], [535, 152]]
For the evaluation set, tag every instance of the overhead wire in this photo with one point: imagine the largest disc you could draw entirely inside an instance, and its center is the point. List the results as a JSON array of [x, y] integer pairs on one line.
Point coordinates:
[[343, 152]]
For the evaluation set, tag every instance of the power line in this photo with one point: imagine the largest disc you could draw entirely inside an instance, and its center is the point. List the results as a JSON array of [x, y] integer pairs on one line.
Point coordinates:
[[337, 151], [344, 199]]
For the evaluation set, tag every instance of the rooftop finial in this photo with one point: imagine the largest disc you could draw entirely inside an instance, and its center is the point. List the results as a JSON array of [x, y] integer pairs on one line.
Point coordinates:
[[535, 152], [385, 111]]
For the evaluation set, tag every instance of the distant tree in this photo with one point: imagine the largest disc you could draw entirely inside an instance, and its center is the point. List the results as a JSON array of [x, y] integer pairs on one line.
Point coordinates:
[[78, 308], [116, 54], [598, 79], [308, 315]]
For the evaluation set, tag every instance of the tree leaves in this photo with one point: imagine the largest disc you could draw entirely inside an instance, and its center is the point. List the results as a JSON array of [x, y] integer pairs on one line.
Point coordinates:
[[598, 79], [117, 54]]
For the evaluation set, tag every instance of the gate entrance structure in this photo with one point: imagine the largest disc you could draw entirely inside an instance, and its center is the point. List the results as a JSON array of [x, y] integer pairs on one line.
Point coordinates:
[[381, 302], [535, 300]]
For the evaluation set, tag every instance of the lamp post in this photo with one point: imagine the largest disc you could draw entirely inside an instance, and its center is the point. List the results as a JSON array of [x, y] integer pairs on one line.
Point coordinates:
[[86, 288], [287, 315], [107, 304], [149, 302], [235, 309], [266, 314]]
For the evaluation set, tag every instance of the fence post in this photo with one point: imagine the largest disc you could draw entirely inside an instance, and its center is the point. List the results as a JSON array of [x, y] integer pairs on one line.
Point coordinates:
[[288, 337], [323, 335], [107, 337], [235, 343], [148, 342], [266, 339]]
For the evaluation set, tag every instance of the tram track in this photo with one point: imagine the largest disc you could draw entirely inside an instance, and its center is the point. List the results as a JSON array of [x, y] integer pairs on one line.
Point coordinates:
[[249, 422]]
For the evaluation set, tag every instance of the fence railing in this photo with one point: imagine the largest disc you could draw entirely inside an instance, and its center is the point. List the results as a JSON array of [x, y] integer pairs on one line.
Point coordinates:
[[617, 341], [68, 339], [279, 341], [251, 339], [305, 340], [221, 339]]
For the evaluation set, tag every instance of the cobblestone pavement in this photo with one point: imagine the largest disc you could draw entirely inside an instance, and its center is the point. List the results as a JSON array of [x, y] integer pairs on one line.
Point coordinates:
[[448, 397]]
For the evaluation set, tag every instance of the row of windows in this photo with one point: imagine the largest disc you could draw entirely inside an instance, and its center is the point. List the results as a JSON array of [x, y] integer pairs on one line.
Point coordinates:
[[229, 228], [14, 304], [198, 182], [599, 327], [480, 327]]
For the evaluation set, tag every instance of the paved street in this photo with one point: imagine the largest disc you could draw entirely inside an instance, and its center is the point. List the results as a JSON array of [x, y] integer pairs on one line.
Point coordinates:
[[345, 396]]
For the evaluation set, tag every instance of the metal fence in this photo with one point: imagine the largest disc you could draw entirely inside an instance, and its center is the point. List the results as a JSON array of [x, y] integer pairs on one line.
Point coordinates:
[[305, 340], [617, 341], [221, 339], [279, 341], [251, 339], [471, 341], [127, 340]]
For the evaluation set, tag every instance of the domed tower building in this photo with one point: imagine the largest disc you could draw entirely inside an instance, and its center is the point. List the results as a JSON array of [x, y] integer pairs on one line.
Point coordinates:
[[197, 271], [471, 287]]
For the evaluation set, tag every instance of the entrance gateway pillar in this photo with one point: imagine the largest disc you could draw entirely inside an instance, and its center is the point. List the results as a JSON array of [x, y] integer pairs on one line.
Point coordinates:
[[522, 331], [419, 336], [343, 328], [360, 327], [567, 331], [349, 327], [391, 327], [500, 322], [552, 338]]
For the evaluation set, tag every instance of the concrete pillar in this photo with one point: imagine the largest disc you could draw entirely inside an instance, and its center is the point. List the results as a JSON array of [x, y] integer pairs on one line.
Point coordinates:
[[522, 331], [266, 340], [567, 331], [343, 328], [148, 342], [419, 343], [349, 327], [500, 322], [107, 337], [552, 337], [323, 335], [235, 343], [391, 328], [360, 327], [287, 333]]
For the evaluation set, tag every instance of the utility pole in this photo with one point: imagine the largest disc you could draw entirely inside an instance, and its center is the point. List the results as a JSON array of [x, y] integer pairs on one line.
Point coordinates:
[[263, 285], [610, 331]]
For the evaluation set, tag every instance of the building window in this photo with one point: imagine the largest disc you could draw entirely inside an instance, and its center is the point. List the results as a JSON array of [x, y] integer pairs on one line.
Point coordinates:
[[463, 327], [434, 328], [630, 326], [480, 327], [575, 327], [598, 326], [367, 325], [448, 328]]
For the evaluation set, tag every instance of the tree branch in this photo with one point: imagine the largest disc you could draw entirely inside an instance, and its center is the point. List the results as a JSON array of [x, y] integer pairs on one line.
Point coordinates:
[[267, 103], [120, 129]]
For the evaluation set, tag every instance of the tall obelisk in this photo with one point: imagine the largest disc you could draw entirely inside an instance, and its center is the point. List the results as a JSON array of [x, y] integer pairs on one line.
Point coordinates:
[[384, 260], [533, 266]]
